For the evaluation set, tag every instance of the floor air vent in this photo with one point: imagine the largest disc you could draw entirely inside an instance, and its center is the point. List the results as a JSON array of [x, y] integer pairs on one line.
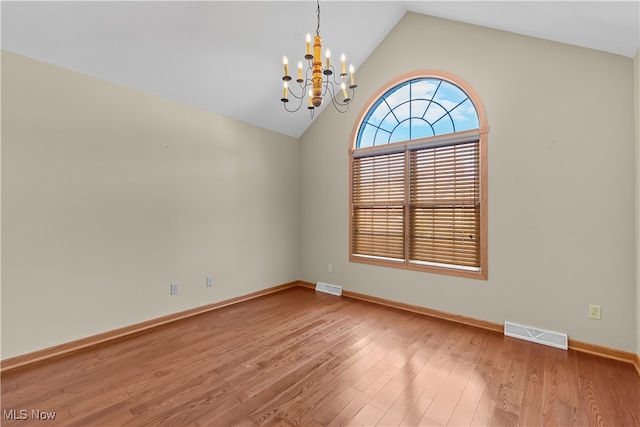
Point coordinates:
[[328, 289], [553, 339]]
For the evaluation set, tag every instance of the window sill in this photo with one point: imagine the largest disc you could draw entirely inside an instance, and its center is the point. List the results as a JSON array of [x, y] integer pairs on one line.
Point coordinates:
[[480, 274]]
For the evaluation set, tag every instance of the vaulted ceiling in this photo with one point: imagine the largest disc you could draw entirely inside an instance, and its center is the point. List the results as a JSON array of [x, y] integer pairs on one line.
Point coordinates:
[[225, 56]]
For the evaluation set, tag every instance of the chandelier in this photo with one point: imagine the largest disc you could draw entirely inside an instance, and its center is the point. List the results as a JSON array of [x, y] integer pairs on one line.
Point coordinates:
[[319, 79]]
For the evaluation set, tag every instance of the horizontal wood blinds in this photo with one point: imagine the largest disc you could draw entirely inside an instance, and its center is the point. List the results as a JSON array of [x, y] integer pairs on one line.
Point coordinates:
[[445, 205], [378, 198]]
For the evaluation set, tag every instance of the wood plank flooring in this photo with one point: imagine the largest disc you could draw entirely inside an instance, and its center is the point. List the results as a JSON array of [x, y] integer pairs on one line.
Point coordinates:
[[300, 358]]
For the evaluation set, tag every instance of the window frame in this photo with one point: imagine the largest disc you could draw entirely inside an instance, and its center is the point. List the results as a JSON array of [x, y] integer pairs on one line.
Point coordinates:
[[481, 133]]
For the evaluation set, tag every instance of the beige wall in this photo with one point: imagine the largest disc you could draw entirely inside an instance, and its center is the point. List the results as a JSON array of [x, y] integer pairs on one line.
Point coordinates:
[[636, 74], [109, 195], [561, 182]]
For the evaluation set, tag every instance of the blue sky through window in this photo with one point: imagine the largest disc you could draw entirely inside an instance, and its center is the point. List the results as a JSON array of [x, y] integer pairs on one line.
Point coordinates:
[[415, 109]]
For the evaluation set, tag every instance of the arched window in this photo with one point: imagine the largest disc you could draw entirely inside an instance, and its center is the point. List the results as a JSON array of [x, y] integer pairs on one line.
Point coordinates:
[[418, 177]]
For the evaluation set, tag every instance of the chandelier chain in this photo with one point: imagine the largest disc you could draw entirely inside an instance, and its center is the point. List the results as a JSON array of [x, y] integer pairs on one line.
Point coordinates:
[[318, 27]]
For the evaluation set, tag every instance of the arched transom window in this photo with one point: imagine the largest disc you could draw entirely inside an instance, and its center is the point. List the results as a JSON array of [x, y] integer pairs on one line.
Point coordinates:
[[418, 177], [418, 108]]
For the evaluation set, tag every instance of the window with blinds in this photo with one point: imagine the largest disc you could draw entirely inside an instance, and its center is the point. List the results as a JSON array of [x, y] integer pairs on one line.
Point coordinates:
[[418, 183], [379, 206], [444, 205]]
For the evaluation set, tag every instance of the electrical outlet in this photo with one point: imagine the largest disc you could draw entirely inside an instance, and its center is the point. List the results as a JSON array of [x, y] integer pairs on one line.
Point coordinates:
[[594, 311], [174, 289], [209, 281]]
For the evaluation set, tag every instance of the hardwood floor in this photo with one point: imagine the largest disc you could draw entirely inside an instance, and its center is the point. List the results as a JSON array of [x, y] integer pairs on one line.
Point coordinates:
[[300, 358]]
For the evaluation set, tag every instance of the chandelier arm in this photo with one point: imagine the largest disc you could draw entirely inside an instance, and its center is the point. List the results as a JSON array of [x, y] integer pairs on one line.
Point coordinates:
[[304, 85], [337, 78], [329, 88], [325, 87], [292, 93], [341, 107], [294, 109], [308, 76]]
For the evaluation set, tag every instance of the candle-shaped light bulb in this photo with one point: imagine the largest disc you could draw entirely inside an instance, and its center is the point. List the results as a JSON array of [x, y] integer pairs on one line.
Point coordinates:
[[308, 44], [327, 55], [310, 98], [344, 90], [300, 70], [285, 62], [353, 75], [284, 93], [344, 64]]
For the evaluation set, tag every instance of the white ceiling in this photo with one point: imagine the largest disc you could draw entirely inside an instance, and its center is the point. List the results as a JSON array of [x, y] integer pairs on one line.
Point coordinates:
[[225, 56]]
